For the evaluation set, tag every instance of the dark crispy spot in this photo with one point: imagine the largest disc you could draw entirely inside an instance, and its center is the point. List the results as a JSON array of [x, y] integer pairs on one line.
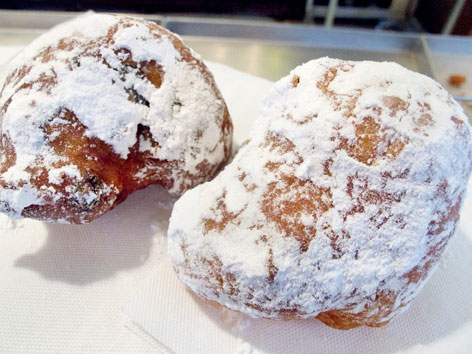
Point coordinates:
[[273, 270], [134, 96]]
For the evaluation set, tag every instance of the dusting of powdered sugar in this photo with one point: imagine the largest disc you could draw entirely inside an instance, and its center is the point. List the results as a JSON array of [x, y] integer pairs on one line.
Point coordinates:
[[380, 216], [244, 347], [56, 176], [53, 75], [8, 224]]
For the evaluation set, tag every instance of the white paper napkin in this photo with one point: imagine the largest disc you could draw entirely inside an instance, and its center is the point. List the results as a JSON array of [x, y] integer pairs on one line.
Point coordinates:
[[62, 286], [8, 52], [439, 320]]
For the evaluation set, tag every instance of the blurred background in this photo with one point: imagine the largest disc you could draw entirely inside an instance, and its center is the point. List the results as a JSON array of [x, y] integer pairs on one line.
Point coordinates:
[[431, 16]]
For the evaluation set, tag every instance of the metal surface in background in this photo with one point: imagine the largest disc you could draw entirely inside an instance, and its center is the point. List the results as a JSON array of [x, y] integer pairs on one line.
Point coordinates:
[[271, 50], [273, 60]]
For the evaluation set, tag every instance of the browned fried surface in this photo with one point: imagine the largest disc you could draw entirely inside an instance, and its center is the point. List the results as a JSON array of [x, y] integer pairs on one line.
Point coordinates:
[[280, 206]]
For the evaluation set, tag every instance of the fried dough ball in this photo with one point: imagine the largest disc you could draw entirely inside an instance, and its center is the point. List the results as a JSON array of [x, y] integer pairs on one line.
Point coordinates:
[[339, 206], [100, 107]]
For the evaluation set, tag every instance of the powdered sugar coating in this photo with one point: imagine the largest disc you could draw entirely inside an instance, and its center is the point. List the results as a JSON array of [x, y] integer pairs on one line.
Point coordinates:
[[130, 86], [341, 203]]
